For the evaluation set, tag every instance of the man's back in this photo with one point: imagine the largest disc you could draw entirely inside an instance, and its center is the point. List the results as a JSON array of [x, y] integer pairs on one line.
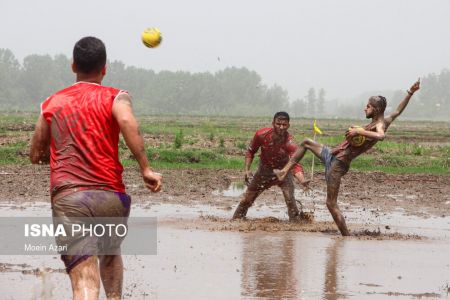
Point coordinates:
[[84, 139]]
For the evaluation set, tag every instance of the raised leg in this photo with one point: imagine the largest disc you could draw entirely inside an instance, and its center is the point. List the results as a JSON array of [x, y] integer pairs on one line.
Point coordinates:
[[313, 146]]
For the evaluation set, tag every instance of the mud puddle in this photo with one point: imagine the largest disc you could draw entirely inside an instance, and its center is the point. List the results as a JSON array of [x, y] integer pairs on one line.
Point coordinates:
[[195, 263], [273, 217], [235, 189]]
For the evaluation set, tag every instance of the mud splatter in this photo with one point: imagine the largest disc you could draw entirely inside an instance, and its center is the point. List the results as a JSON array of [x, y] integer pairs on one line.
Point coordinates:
[[417, 296], [190, 187], [272, 224]]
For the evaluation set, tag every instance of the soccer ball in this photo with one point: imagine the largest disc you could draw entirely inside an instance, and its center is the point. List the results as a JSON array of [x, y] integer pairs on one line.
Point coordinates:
[[357, 140], [151, 37]]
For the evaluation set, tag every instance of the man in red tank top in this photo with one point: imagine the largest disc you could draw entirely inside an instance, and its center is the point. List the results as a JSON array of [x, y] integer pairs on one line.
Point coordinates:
[[78, 133], [276, 147], [337, 160]]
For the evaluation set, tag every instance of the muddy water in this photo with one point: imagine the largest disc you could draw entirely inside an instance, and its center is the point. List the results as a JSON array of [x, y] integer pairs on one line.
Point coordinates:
[[200, 264]]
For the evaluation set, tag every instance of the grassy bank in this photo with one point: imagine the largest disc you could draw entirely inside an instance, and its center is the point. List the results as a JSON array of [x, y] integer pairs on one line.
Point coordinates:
[[175, 142]]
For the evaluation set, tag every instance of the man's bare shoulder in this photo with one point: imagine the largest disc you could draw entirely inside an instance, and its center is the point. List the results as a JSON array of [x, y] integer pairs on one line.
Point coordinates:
[[123, 97], [373, 126]]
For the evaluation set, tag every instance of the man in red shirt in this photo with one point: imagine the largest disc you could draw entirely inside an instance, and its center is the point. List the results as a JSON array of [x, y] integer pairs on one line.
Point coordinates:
[[78, 132], [276, 148]]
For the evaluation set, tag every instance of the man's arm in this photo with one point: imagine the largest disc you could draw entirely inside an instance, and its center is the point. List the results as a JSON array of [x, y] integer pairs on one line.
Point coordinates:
[[122, 111], [249, 155], [40, 142], [248, 176], [299, 174], [378, 135], [404, 103]]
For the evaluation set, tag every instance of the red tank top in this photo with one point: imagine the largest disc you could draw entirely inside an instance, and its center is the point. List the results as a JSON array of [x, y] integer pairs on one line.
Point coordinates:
[[84, 139]]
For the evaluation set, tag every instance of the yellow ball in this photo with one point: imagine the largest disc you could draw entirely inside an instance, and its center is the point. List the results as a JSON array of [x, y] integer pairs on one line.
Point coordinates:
[[357, 140], [151, 37]]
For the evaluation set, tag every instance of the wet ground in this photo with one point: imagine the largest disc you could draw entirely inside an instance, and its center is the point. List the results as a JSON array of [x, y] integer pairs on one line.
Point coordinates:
[[202, 255], [422, 195], [399, 249]]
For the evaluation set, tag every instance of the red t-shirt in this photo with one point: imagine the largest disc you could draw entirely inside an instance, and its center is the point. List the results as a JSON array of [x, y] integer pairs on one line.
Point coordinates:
[[84, 139], [273, 155]]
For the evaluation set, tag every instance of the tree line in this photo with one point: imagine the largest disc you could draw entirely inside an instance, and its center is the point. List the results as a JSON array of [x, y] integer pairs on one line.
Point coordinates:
[[232, 91]]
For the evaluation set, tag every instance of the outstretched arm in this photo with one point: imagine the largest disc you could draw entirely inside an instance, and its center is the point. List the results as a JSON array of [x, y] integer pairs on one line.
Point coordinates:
[[40, 142], [404, 103], [123, 113]]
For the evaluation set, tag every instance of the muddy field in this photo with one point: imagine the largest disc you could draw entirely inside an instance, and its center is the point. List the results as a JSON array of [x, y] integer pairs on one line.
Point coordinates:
[[400, 224], [399, 248], [418, 194]]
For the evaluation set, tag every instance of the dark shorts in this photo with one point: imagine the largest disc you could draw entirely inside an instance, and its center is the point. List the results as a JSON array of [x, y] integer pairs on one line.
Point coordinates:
[[334, 168], [90, 206], [264, 178]]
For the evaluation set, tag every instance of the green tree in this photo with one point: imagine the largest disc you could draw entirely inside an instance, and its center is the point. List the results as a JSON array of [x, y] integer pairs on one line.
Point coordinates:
[[311, 102], [11, 93], [298, 108], [321, 103]]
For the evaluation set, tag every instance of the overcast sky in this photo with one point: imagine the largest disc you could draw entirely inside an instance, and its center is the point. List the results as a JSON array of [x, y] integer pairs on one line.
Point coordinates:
[[346, 47]]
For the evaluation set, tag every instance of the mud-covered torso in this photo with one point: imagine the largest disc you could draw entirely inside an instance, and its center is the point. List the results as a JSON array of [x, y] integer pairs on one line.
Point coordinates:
[[346, 152], [274, 153]]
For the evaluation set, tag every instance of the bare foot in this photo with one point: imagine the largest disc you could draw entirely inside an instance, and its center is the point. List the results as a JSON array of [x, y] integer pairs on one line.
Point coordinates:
[[280, 174], [307, 216]]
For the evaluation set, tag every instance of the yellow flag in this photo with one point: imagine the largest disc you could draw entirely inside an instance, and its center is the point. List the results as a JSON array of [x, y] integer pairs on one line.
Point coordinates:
[[317, 129]]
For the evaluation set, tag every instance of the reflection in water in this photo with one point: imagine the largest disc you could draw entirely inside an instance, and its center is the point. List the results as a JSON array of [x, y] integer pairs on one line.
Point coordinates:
[[268, 266], [331, 277], [236, 189], [273, 267]]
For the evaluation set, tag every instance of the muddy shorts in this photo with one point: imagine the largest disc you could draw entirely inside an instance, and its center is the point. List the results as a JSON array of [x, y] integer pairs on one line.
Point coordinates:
[[334, 168], [264, 178], [90, 208]]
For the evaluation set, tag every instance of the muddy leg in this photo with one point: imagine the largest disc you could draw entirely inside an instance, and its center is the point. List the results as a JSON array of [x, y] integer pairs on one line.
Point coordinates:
[[249, 198], [332, 195], [287, 187], [111, 271], [259, 183], [313, 146], [85, 279]]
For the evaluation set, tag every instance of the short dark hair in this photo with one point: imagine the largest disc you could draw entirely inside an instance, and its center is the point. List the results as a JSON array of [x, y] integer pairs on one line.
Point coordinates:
[[281, 115], [379, 102], [89, 55]]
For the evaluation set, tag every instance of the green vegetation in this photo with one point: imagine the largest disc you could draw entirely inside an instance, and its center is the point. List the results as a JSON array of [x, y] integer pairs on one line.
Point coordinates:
[[222, 142], [181, 142], [231, 91], [178, 142], [185, 159], [14, 153]]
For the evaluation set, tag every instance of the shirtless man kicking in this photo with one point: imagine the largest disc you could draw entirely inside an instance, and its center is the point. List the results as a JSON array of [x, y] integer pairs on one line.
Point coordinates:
[[337, 160]]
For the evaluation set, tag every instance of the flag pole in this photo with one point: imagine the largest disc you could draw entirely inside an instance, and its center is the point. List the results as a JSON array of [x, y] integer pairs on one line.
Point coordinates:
[[312, 164], [316, 130]]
